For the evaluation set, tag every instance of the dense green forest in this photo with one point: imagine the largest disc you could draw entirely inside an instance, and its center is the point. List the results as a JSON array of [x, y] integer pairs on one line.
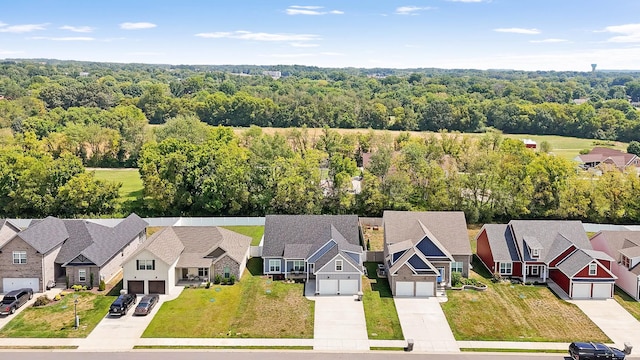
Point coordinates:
[[59, 117]]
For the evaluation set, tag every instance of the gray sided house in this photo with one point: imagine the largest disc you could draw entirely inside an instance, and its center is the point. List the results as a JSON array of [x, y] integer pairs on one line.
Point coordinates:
[[323, 250], [54, 249], [191, 254], [423, 248]]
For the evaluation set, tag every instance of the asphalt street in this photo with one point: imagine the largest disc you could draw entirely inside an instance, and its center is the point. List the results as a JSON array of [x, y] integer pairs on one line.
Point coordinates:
[[267, 355]]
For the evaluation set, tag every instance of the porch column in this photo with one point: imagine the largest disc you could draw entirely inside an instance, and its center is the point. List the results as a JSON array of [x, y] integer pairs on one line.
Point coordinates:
[[544, 273], [524, 273]]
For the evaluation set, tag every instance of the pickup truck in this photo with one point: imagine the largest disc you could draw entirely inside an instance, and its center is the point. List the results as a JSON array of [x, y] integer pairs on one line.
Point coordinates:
[[14, 299]]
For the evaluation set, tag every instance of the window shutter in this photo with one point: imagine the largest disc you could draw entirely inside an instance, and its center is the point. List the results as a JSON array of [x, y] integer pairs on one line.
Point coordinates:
[[153, 264], [137, 264]]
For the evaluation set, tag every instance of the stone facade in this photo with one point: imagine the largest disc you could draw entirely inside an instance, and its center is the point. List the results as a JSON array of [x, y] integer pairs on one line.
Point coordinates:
[[234, 267], [72, 272]]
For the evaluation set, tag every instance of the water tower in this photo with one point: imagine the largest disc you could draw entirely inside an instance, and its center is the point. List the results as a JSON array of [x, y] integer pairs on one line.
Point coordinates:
[[593, 67]]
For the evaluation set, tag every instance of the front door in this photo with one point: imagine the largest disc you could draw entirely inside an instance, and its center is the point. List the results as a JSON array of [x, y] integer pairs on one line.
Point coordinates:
[[441, 277], [535, 270], [185, 273]]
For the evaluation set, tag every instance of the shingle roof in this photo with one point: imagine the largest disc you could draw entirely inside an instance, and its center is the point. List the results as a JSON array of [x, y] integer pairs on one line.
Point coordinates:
[[164, 244], [631, 252], [296, 251], [236, 245], [503, 247], [546, 231], [449, 227], [600, 154], [575, 262], [616, 239], [559, 245], [306, 229], [599, 255], [45, 235], [7, 231]]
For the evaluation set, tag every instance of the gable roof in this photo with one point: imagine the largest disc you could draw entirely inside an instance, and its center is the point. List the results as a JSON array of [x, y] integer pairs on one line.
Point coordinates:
[[195, 246], [503, 248], [449, 228], [600, 154], [45, 235], [315, 230], [7, 231], [577, 261], [618, 240], [546, 232]]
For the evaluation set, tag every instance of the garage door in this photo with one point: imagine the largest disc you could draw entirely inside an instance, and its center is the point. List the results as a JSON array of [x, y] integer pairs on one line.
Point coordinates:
[[602, 291], [328, 287], [348, 287], [404, 288], [156, 287], [135, 287], [9, 284], [424, 288], [581, 291]]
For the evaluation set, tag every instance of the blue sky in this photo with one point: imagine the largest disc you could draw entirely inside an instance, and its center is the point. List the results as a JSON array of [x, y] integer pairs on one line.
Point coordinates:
[[478, 34]]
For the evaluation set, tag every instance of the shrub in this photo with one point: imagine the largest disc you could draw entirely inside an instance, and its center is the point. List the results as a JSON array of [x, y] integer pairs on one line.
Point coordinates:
[[456, 279], [41, 301], [207, 285], [232, 280], [91, 280], [102, 285], [217, 279], [57, 297], [496, 277], [79, 287]]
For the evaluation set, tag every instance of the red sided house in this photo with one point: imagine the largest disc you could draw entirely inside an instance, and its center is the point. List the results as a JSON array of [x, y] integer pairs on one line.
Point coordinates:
[[538, 250]]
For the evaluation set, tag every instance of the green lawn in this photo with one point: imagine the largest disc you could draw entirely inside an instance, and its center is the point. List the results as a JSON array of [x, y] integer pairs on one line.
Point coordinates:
[[627, 302], [255, 232], [255, 307], [515, 312], [56, 320], [129, 178], [568, 147], [379, 308]]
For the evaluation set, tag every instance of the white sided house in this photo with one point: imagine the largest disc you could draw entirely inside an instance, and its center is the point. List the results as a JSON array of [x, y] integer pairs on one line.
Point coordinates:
[[188, 254], [624, 248]]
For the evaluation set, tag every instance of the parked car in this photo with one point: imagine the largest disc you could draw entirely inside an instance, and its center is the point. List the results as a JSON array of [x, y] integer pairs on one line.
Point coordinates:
[[593, 351], [14, 299], [146, 304], [122, 304]]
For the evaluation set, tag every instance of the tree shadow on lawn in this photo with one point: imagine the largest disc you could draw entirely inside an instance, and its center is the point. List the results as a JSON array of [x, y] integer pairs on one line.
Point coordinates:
[[254, 265]]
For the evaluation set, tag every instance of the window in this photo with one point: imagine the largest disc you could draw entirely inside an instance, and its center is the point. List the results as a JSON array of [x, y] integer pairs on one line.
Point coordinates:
[[146, 264], [535, 253], [82, 275], [625, 262], [506, 268], [227, 272], [593, 269], [457, 266], [338, 265], [298, 265], [19, 257], [274, 265], [203, 272]]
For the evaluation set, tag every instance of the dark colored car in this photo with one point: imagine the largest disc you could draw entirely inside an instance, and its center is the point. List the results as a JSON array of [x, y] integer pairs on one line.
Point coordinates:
[[146, 304], [593, 351], [122, 304], [14, 299]]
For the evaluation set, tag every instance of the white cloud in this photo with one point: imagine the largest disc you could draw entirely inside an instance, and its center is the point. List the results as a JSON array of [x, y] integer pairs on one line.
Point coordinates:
[[137, 25], [259, 36], [302, 55], [17, 29], [310, 10], [630, 33], [412, 10], [67, 38], [549, 41], [10, 52], [303, 45], [79, 29], [532, 31]]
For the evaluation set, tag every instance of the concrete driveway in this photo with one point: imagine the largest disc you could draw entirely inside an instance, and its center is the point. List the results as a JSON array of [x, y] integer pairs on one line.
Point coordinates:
[[423, 321], [115, 333], [612, 319], [339, 324]]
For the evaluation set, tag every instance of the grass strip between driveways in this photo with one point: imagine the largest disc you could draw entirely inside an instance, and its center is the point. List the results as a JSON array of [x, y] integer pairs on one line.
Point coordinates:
[[255, 307], [515, 312], [56, 320], [253, 347], [627, 302], [379, 308], [255, 232]]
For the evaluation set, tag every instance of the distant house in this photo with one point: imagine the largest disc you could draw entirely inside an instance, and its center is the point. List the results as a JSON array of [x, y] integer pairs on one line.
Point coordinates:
[[529, 144], [323, 250], [185, 253], [423, 248], [624, 247], [604, 156], [539, 250], [77, 250], [275, 75]]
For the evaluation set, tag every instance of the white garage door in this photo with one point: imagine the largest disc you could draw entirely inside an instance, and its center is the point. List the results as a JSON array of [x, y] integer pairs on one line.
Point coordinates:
[[9, 284], [328, 287], [424, 288], [348, 287], [404, 288], [581, 290], [602, 291]]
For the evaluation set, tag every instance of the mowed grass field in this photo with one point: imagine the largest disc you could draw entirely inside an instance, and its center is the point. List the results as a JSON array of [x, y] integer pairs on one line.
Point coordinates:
[[129, 178]]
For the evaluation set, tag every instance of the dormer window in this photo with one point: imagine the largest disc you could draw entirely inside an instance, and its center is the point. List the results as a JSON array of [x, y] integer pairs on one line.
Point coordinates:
[[338, 265], [625, 262], [593, 269], [535, 252]]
